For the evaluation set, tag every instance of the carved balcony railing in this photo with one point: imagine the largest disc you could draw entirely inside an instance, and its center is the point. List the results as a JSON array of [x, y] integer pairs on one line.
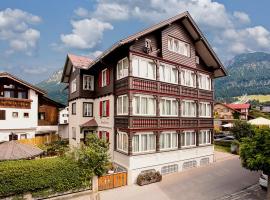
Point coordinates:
[[121, 122], [169, 123], [15, 103], [206, 123], [143, 84], [189, 92], [169, 88], [189, 123], [144, 122]]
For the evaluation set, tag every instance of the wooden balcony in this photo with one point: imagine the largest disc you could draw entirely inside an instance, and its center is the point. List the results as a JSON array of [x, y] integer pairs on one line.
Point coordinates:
[[15, 103]]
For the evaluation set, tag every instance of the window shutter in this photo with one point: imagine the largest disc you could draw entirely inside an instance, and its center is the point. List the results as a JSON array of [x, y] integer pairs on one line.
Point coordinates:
[[107, 136], [99, 79], [107, 108], [108, 76], [100, 108], [100, 134]]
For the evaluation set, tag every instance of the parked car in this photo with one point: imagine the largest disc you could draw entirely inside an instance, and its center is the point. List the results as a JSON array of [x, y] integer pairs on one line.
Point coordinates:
[[263, 181], [219, 136], [224, 138]]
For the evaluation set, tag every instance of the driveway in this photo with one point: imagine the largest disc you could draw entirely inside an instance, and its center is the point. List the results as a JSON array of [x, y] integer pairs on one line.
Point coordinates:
[[205, 183]]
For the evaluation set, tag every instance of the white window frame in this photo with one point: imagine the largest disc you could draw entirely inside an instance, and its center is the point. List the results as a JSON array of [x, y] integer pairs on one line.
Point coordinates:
[[168, 68], [204, 137], [204, 81], [163, 135], [208, 113], [184, 134], [140, 105], [140, 143], [121, 145], [120, 100], [88, 82], [171, 110], [73, 85], [140, 68], [188, 113], [121, 70], [104, 77], [188, 78], [175, 45]]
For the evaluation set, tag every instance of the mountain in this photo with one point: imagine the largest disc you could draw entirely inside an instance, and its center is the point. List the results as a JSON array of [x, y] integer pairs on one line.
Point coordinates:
[[247, 74], [55, 89]]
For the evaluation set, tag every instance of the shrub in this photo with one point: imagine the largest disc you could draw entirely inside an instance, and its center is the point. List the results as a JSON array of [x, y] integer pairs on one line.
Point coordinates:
[[57, 148], [149, 177], [53, 174]]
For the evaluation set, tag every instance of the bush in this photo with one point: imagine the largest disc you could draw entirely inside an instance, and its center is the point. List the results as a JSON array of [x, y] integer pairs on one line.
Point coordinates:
[[49, 174], [57, 148], [149, 177]]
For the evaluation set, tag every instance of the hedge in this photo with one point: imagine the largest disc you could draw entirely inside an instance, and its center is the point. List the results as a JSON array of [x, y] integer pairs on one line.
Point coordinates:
[[54, 174]]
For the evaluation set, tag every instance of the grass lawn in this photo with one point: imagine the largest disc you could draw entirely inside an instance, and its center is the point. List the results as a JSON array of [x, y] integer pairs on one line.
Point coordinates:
[[260, 98], [222, 149]]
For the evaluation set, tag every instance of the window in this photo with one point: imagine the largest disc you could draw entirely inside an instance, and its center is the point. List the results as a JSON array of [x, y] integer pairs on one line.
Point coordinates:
[[204, 81], [144, 105], [22, 94], [2, 115], [122, 105], [88, 82], [189, 164], [169, 169], [168, 73], [26, 115], [122, 141], [205, 109], [41, 115], [73, 108], [104, 108], [188, 139], [122, 68], [178, 46], [104, 135], [15, 114], [74, 133], [104, 78], [23, 136], [204, 137], [143, 68], [87, 109], [188, 78], [143, 142], [168, 107], [188, 108], [168, 141], [73, 85]]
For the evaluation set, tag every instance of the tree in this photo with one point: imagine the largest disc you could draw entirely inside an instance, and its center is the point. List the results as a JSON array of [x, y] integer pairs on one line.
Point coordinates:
[[242, 129], [255, 153], [94, 156]]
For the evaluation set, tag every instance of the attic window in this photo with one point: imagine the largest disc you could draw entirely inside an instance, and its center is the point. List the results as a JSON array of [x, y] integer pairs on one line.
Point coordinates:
[[178, 46], [197, 58]]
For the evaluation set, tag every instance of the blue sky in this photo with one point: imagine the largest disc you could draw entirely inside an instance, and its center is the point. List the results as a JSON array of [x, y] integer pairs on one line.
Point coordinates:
[[36, 35]]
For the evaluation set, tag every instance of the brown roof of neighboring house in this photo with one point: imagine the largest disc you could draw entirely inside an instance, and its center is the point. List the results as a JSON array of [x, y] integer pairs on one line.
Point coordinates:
[[90, 123], [13, 150], [239, 105], [203, 47], [81, 62], [10, 76]]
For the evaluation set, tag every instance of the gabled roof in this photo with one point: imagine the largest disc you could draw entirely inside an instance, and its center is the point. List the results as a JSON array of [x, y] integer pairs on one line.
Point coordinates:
[[239, 106], [16, 79], [226, 105], [202, 46], [80, 62]]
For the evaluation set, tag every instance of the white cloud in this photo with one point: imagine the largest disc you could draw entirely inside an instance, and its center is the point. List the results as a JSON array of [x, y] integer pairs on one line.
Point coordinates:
[[34, 70], [86, 33], [241, 17], [81, 12], [95, 54], [111, 11], [15, 29]]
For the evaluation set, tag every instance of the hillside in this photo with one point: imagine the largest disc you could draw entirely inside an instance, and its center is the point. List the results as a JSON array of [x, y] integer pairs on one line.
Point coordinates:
[[247, 74], [54, 87]]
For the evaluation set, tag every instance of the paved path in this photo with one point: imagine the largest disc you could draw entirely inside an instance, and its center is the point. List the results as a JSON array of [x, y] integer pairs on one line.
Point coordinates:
[[214, 181]]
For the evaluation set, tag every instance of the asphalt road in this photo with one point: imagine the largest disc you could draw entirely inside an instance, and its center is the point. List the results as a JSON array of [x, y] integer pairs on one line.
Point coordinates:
[[204, 183]]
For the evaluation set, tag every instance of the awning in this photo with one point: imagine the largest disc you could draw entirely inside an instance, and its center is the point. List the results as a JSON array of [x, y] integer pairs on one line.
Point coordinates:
[[90, 123], [14, 150]]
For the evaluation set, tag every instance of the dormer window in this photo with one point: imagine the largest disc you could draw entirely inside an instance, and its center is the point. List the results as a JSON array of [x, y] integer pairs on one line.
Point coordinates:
[[178, 46]]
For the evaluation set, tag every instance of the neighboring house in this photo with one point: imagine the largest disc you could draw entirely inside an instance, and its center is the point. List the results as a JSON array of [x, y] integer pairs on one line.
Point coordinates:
[[242, 108], [24, 110], [150, 95], [224, 114], [63, 123], [264, 108]]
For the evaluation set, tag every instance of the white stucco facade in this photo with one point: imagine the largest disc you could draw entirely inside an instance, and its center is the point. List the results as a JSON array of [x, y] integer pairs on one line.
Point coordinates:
[[21, 124], [138, 163]]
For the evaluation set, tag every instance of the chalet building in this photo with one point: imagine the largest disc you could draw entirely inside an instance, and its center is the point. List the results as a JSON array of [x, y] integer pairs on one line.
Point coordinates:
[[150, 95], [243, 108], [24, 110]]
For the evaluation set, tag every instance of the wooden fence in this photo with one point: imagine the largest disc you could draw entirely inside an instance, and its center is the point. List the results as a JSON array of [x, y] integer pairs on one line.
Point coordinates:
[[39, 140], [112, 181]]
